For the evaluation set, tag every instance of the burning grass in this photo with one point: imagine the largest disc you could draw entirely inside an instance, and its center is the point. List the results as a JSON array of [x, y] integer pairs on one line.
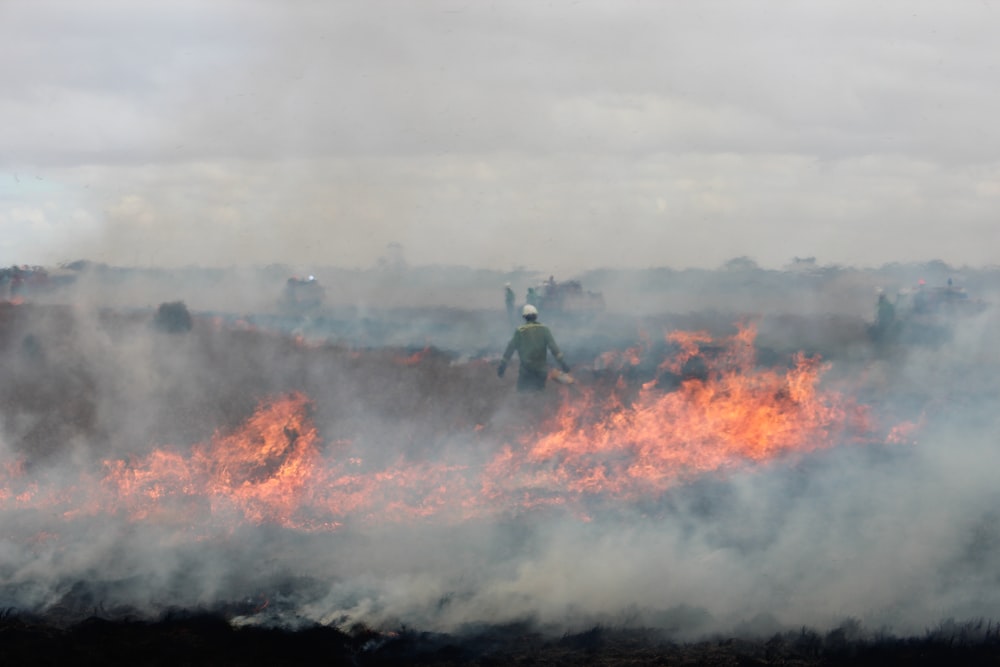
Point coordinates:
[[298, 460], [171, 464]]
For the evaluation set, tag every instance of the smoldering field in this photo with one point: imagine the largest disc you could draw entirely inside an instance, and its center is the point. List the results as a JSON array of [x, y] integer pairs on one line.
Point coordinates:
[[889, 517]]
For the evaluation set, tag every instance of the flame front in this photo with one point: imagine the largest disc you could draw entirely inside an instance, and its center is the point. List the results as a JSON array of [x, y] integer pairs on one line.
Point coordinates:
[[731, 415], [264, 470], [610, 440]]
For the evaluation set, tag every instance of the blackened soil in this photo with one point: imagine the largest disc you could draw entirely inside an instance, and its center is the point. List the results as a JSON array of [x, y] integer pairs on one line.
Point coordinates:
[[208, 639]]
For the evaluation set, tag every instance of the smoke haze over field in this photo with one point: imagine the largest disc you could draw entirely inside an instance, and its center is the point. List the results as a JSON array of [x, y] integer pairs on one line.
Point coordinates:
[[563, 136], [783, 159], [896, 527]]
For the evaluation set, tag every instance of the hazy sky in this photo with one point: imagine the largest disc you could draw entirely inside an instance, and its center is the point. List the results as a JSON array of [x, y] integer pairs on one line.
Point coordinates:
[[555, 135]]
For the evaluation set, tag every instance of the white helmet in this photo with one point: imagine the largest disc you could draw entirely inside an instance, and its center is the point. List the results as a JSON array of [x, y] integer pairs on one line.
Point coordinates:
[[528, 310]]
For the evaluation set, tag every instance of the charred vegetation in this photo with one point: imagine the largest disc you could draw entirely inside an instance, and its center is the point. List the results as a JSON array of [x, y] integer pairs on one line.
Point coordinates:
[[300, 468]]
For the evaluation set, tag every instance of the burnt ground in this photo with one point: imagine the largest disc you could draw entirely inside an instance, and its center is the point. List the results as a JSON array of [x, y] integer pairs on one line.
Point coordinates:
[[200, 638], [79, 382]]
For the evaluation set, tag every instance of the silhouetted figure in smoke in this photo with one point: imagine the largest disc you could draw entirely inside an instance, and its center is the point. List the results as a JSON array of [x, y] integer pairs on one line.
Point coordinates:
[[885, 313], [887, 324], [531, 298], [16, 282], [508, 297], [532, 341]]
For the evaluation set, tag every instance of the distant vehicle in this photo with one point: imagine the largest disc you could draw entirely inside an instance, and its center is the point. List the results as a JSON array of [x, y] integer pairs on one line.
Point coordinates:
[[24, 281], [568, 297], [302, 295]]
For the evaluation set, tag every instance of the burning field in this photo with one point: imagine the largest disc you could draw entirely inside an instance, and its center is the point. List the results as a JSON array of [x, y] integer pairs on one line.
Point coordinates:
[[387, 502]]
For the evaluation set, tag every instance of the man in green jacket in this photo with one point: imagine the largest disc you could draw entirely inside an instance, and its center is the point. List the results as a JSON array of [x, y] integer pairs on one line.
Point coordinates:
[[531, 341]]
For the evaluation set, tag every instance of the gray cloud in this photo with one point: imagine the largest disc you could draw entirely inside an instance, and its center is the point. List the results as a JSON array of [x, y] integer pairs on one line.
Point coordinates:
[[713, 130]]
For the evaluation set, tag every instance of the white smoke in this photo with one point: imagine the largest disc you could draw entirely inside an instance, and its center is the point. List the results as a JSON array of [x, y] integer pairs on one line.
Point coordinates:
[[899, 535]]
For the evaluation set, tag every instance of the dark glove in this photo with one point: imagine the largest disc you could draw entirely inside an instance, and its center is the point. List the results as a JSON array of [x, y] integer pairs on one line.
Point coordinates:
[[501, 368], [564, 366]]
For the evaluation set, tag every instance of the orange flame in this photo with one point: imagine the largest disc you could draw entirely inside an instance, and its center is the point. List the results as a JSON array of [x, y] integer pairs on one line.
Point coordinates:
[[611, 441], [735, 415], [263, 470], [271, 470], [414, 358], [615, 360]]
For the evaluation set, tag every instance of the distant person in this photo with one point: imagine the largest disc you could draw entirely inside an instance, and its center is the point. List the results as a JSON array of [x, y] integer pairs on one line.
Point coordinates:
[[532, 297], [16, 282], [885, 315], [532, 341], [508, 297]]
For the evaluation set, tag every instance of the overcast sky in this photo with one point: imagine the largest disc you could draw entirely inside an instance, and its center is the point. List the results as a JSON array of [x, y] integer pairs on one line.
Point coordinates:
[[559, 135]]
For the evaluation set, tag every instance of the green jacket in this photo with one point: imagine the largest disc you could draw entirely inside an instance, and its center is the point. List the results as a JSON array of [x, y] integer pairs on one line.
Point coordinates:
[[531, 341]]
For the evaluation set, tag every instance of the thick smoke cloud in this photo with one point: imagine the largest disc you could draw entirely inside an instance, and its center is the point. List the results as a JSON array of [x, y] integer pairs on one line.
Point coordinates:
[[897, 532], [386, 146]]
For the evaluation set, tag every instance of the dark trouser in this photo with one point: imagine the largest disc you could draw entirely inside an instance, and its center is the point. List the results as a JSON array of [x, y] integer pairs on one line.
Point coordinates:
[[529, 380]]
